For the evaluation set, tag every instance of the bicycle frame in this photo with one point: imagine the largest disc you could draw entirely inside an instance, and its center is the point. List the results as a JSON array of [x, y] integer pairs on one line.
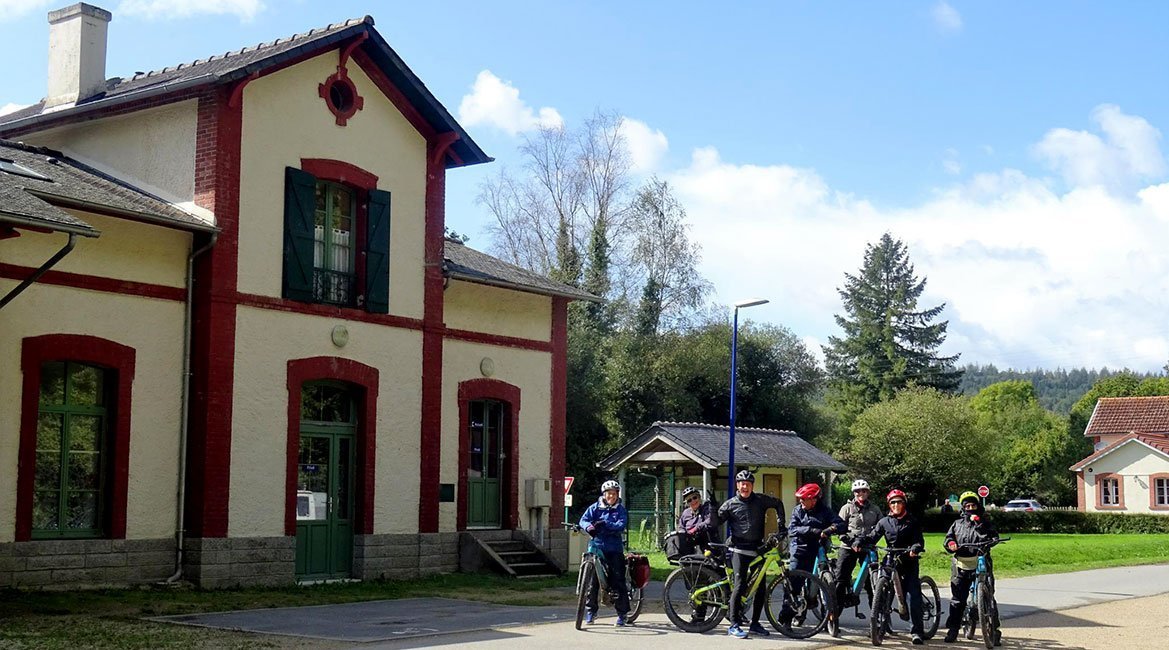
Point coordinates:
[[870, 559], [756, 570]]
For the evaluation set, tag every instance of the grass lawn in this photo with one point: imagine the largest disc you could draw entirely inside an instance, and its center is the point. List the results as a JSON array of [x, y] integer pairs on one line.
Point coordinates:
[[113, 618], [1030, 554]]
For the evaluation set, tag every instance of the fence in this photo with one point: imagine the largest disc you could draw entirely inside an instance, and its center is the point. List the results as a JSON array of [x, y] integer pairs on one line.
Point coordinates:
[[650, 503]]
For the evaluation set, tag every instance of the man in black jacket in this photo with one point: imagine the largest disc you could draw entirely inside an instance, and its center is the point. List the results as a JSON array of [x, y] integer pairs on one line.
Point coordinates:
[[902, 530], [744, 514], [972, 527]]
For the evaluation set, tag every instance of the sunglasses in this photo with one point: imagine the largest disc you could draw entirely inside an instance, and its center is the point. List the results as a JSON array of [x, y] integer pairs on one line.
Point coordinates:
[[693, 499], [896, 502]]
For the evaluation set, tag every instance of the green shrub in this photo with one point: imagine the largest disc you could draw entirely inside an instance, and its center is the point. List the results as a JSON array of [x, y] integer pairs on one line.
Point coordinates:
[[1058, 521]]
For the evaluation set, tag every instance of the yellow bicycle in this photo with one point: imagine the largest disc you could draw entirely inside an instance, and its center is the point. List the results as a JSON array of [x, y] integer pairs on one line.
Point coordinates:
[[697, 595]]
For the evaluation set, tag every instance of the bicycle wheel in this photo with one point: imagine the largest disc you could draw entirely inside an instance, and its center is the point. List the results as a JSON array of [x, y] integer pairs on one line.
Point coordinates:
[[588, 573], [635, 603], [986, 611], [699, 613], [880, 617], [833, 616], [809, 605], [931, 607]]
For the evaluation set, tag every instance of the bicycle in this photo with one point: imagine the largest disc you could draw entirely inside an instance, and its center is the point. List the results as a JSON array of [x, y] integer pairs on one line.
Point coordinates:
[[866, 569], [888, 587], [593, 569], [825, 570], [982, 604], [701, 587]]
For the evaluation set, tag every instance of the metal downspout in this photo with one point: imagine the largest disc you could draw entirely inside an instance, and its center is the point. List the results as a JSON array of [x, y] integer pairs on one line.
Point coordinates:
[[186, 401], [44, 268]]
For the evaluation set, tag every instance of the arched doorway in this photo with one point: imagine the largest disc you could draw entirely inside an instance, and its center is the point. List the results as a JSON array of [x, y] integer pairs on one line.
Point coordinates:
[[325, 471]]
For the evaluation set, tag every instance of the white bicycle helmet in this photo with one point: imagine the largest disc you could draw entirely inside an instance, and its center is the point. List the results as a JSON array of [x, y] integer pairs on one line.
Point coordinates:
[[610, 485], [860, 484]]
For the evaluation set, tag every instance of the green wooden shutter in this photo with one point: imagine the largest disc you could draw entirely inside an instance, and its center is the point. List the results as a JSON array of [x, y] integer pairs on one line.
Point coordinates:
[[300, 193], [377, 253]]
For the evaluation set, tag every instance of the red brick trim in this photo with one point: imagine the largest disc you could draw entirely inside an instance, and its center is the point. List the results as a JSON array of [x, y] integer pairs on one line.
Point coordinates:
[[339, 172], [1081, 493], [1119, 491], [365, 379], [433, 330], [328, 311], [559, 398], [499, 340], [217, 178], [95, 283], [391, 91], [1164, 476], [85, 349], [477, 389]]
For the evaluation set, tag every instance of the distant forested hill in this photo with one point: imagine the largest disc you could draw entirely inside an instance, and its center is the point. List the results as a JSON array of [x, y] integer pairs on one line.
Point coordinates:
[[1057, 390]]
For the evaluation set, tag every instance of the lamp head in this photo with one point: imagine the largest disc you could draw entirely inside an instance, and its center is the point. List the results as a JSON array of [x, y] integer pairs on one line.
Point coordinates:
[[751, 302]]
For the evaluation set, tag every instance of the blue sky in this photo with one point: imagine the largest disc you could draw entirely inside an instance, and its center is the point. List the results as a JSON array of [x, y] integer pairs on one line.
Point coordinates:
[[1016, 147]]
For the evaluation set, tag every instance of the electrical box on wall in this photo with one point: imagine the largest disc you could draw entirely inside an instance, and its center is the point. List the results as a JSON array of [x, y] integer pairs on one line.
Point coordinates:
[[538, 493]]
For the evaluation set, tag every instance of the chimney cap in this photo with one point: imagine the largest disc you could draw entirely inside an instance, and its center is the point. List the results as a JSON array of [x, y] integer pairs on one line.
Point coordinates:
[[82, 9]]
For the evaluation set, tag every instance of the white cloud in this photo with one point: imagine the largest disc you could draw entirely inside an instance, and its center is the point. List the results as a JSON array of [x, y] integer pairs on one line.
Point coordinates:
[[950, 162], [246, 10], [495, 102], [647, 146], [946, 17], [1032, 275], [10, 107], [1128, 153], [13, 9]]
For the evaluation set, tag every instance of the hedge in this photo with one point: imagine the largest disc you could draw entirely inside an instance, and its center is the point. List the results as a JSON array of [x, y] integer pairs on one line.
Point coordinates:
[[1058, 521]]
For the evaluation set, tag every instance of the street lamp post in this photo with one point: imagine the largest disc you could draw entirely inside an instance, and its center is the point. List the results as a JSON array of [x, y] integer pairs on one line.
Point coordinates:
[[734, 354]]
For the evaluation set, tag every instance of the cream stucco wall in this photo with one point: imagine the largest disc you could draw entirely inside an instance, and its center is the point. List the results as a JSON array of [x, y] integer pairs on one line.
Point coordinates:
[[154, 328], [124, 251], [265, 341], [153, 149], [493, 310], [531, 372], [285, 120], [1134, 463]]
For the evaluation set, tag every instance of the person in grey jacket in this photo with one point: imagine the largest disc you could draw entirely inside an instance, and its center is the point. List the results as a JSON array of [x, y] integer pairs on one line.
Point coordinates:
[[861, 515], [744, 514]]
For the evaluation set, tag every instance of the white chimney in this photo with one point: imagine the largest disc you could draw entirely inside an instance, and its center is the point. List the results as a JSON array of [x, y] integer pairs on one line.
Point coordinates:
[[77, 53]]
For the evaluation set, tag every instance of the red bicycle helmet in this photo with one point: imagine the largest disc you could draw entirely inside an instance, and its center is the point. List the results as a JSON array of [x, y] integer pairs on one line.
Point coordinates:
[[808, 491], [895, 494]]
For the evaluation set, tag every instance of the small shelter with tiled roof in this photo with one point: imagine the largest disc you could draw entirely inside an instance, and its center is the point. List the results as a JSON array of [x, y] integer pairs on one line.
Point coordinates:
[[236, 342], [668, 457], [1129, 468]]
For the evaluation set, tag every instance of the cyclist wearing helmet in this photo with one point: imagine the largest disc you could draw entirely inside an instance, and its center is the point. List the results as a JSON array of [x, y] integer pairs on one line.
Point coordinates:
[[606, 520], [744, 514], [812, 524], [972, 527], [861, 516], [902, 530], [697, 518]]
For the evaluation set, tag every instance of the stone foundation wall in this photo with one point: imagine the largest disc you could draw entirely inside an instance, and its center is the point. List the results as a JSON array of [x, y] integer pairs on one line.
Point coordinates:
[[73, 563], [556, 543], [403, 556], [217, 562]]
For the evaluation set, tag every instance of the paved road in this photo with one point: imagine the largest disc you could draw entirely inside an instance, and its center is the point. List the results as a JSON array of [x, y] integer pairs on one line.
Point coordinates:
[[416, 623]]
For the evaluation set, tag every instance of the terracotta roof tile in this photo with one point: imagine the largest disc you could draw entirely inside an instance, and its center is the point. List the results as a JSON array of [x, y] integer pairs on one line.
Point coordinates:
[[1160, 443], [1114, 415]]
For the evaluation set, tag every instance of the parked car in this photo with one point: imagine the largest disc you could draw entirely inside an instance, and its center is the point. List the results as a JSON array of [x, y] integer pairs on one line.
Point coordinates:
[[1026, 505]]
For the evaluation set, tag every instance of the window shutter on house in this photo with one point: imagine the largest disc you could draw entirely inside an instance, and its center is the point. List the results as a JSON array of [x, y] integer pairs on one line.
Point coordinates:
[[300, 189], [377, 256]]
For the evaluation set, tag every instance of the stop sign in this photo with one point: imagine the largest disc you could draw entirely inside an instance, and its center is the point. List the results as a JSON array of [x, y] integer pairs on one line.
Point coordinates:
[[983, 491]]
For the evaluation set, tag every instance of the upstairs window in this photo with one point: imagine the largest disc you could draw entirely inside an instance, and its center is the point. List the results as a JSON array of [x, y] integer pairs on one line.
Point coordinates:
[[336, 243]]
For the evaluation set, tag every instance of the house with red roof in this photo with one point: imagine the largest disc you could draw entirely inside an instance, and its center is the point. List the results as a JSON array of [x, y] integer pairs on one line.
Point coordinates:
[[1129, 469], [236, 346]]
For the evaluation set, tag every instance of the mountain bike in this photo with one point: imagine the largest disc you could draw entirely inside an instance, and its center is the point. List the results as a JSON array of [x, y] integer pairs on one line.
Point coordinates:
[[825, 568], [888, 595], [983, 609], [866, 576], [697, 595], [592, 567]]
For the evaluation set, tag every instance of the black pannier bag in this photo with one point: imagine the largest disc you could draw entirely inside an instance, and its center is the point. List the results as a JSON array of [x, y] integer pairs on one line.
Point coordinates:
[[678, 544]]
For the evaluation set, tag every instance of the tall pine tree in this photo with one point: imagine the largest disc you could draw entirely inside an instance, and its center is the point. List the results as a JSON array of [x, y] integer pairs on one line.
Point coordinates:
[[888, 343]]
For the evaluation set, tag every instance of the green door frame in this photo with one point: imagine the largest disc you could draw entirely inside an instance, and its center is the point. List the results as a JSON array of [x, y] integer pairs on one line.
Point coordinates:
[[324, 545]]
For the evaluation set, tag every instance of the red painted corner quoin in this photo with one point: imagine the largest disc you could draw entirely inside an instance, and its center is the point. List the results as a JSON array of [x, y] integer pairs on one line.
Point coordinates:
[[35, 351], [365, 379], [559, 400]]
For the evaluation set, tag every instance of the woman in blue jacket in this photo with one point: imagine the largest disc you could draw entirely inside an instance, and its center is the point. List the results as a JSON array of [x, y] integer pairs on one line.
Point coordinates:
[[605, 521]]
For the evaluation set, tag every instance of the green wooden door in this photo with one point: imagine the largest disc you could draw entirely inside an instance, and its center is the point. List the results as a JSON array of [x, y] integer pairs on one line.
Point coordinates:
[[485, 467], [325, 464]]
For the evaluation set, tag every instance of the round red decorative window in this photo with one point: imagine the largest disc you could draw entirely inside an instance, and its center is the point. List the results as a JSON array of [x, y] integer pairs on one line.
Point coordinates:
[[340, 95]]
